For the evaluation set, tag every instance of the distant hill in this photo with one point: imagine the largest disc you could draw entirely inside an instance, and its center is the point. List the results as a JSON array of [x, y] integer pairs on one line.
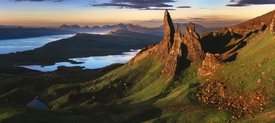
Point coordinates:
[[16, 33], [4, 26], [82, 45]]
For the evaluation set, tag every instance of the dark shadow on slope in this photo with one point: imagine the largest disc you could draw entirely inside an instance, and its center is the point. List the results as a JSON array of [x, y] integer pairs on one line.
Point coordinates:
[[231, 58], [183, 63], [216, 43], [237, 47], [140, 112]]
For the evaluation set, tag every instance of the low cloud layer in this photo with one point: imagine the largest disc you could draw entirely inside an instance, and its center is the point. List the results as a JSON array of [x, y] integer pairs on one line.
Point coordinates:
[[250, 2], [137, 4], [184, 7]]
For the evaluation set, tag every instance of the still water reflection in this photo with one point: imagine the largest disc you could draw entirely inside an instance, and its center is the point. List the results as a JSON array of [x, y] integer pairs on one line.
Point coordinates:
[[92, 62], [37, 104]]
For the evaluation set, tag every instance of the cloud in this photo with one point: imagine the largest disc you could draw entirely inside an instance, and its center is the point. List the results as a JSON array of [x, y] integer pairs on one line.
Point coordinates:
[[36, 0], [197, 18], [137, 4], [250, 2], [184, 7]]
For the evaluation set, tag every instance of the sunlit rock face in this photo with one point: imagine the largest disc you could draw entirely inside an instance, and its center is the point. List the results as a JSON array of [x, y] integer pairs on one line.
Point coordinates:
[[209, 65], [177, 55], [191, 40], [175, 50], [163, 48], [169, 29]]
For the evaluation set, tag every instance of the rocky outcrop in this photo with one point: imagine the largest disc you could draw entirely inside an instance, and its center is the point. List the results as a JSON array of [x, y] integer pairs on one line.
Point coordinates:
[[191, 40], [209, 65], [169, 29], [184, 48], [175, 51], [176, 55], [143, 53], [163, 48]]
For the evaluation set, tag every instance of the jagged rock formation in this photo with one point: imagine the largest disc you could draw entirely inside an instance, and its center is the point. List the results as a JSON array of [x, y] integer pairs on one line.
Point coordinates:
[[191, 40], [177, 55], [163, 48], [169, 29], [175, 50], [209, 65]]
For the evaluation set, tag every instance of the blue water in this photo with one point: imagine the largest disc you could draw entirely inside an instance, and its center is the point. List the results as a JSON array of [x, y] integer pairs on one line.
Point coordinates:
[[17, 45], [37, 104], [92, 62]]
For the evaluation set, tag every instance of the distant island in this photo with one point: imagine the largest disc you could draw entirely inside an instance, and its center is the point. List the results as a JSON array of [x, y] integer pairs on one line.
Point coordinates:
[[81, 45], [22, 32]]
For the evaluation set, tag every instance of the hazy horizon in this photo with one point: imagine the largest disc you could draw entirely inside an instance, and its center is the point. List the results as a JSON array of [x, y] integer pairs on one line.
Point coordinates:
[[148, 13]]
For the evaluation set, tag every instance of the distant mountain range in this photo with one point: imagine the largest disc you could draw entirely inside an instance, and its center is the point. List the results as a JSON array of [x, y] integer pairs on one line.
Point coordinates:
[[12, 26], [12, 32], [135, 28], [16, 31]]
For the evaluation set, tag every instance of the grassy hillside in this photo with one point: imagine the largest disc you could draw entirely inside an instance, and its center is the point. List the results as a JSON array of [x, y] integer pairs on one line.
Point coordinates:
[[137, 93]]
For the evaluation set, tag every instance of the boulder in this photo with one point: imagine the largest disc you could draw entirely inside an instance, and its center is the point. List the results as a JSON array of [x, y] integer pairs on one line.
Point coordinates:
[[209, 65]]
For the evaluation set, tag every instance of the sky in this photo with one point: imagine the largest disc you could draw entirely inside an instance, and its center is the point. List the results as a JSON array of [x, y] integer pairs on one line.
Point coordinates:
[[149, 13]]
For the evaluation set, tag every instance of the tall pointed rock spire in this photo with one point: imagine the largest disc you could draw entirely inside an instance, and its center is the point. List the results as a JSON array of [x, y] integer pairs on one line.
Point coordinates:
[[169, 29], [163, 48]]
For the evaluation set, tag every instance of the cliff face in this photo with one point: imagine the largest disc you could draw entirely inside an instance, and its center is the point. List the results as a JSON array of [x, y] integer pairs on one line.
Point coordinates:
[[175, 50]]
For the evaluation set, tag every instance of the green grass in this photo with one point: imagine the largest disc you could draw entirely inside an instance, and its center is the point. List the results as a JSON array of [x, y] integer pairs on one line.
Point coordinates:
[[138, 93]]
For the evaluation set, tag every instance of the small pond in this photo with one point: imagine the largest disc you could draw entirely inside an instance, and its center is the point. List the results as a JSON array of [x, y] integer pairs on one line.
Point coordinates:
[[37, 104]]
